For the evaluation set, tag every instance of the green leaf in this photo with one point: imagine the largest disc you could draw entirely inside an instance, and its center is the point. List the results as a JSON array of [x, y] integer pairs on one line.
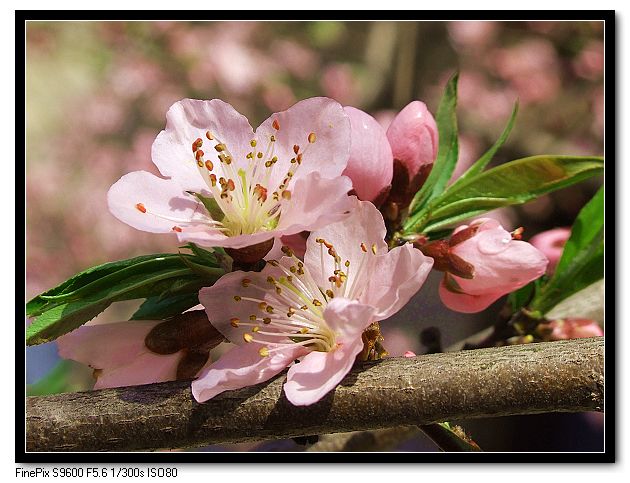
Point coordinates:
[[35, 306], [483, 161], [582, 261], [446, 120], [512, 183], [157, 308], [67, 316], [521, 297]]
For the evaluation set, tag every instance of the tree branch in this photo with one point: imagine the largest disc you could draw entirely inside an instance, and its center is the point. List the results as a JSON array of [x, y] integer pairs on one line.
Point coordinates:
[[564, 376]]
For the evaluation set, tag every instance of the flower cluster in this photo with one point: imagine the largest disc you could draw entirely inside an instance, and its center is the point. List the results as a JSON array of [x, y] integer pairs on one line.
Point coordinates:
[[311, 177]]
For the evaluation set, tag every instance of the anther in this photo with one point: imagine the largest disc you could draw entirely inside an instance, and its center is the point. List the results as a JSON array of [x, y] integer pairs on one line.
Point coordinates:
[[140, 207], [287, 251], [220, 147], [234, 322], [363, 247], [252, 317], [248, 337], [299, 158], [266, 320], [276, 124], [230, 185], [199, 154], [259, 155], [245, 282], [286, 194], [317, 303], [330, 294], [237, 298], [347, 264], [197, 143], [177, 229], [296, 148], [262, 305], [200, 163], [252, 143], [255, 328], [209, 135], [263, 351], [269, 309], [272, 138], [311, 138], [209, 165], [374, 248]]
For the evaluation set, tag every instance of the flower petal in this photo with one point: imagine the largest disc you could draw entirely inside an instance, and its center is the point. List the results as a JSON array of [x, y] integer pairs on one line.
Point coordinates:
[[413, 136], [190, 119], [467, 303], [371, 164], [347, 318], [241, 366], [319, 372], [327, 155], [141, 199], [118, 350], [398, 275], [364, 225], [315, 202]]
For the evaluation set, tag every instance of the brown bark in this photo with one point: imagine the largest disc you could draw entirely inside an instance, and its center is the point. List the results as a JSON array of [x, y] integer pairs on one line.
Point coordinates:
[[564, 376]]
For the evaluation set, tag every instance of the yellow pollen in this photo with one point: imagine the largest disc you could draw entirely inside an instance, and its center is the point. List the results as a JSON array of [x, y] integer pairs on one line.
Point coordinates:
[[271, 280], [255, 329], [259, 155], [286, 195], [269, 309], [330, 294], [252, 143], [248, 337], [311, 138], [252, 317], [303, 330], [263, 351], [317, 303], [347, 264], [200, 163], [374, 248], [220, 147], [304, 307], [262, 305]]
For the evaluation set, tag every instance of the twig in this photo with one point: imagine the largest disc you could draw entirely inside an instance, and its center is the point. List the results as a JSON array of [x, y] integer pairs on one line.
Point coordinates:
[[565, 376]]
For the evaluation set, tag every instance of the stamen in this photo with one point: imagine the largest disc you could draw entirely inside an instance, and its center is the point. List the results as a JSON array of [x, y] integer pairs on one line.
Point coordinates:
[[140, 207], [247, 337], [234, 321], [209, 135], [276, 124], [177, 229], [312, 138]]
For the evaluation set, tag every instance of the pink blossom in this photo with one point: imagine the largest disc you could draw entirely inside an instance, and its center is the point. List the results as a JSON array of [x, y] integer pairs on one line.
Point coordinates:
[[413, 137], [281, 180], [551, 243], [314, 310], [142, 351], [118, 355], [370, 166], [483, 262], [574, 329]]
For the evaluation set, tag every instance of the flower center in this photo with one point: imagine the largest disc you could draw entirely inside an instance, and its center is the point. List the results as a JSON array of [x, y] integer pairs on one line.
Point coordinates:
[[293, 309], [244, 200]]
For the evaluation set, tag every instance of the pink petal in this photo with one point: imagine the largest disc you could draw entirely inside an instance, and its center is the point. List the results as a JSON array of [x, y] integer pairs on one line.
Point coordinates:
[[364, 225], [319, 372], [141, 191], [467, 303], [371, 164], [296, 242], [398, 275], [413, 136], [118, 350], [222, 307], [324, 117], [190, 119], [551, 243], [574, 329], [348, 318], [206, 236], [501, 264], [315, 202], [241, 366]]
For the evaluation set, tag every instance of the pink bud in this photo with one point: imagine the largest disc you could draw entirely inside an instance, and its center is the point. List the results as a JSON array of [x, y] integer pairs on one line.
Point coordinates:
[[500, 265], [409, 354], [413, 136], [551, 243], [370, 166], [574, 329]]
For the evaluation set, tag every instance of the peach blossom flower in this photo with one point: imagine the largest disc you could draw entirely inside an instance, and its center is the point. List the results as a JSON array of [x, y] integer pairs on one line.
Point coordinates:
[[283, 179], [314, 310], [483, 262]]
